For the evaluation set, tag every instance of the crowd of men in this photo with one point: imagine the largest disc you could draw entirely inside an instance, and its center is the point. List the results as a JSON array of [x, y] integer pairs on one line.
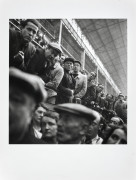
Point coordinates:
[[52, 101]]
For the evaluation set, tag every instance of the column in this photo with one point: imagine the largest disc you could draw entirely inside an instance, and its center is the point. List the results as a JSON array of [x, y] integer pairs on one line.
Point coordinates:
[[105, 86], [60, 32], [97, 77], [83, 59]]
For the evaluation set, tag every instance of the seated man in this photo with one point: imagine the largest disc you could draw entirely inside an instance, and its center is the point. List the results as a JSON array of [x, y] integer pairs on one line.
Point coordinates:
[[92, 133], [81, 81], [25, 91], [73, 122], [49, 127], [21, 50], [67, 85]]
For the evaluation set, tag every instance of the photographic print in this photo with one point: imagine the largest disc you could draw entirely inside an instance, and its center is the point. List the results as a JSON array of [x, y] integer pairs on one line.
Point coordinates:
[[68, 81]]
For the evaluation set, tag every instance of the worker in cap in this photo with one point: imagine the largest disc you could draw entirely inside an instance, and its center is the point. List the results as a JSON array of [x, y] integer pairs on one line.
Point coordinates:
[[73, 122], [25, 92], [56, 47], [69, 59], [67, 85], [43, 58]]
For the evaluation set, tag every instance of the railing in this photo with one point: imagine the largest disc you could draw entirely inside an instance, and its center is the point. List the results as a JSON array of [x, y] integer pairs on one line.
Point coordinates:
[[70, 49], [34, 42], [47, 27]]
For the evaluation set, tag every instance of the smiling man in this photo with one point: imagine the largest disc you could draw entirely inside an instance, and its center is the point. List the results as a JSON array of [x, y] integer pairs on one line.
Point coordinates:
[[20, 47]]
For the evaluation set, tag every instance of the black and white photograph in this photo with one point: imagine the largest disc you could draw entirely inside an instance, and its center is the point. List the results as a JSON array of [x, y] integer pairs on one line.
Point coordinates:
[[68, 81], [67, 90]]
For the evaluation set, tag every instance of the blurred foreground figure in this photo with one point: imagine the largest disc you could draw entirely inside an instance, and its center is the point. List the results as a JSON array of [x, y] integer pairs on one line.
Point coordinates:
[[73, 122], [25, 91]]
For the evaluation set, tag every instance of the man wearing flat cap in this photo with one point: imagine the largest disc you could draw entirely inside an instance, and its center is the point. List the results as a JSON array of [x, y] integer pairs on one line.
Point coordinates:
[[73, 122], [81, 81], [67, 85], [43, 58], [25, 91]]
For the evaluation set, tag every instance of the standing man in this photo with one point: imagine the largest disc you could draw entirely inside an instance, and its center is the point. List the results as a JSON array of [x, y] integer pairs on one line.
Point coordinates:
[[67, 85], [25, 91], [73, 122], [81, 81], [21, 50]]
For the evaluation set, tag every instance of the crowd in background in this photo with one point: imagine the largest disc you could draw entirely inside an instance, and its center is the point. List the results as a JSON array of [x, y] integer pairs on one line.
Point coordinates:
[[53, 101]]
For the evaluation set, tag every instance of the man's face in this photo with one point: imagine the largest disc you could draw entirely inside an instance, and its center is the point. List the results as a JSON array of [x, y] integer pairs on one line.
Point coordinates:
[[76, 67], [117, 137], [50, 53], [121, 97], [93, 128], [68, 65], [38, 114], [29, 32], [114, 122], [91, 76], [21, 106], [48, 127], [100, 88], [70, 128]]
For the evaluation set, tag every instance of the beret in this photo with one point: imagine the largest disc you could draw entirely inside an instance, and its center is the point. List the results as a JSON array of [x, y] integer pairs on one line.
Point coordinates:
[[69, 59], [56, 46], [28, 83], [77, 62], [77, 109]]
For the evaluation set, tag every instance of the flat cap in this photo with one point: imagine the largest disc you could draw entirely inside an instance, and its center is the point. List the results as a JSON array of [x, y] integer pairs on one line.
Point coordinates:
[[56, 46], [77, 109], [77, 62], [120, 94], [69, 59], [28, 83]]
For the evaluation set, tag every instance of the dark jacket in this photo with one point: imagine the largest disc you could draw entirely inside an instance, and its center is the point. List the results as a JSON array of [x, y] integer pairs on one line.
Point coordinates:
[[17, 44], [64, 90], [38, 63]]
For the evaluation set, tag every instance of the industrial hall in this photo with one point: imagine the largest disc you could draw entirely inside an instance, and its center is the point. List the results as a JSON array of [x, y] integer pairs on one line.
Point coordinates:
[[68, 81]]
